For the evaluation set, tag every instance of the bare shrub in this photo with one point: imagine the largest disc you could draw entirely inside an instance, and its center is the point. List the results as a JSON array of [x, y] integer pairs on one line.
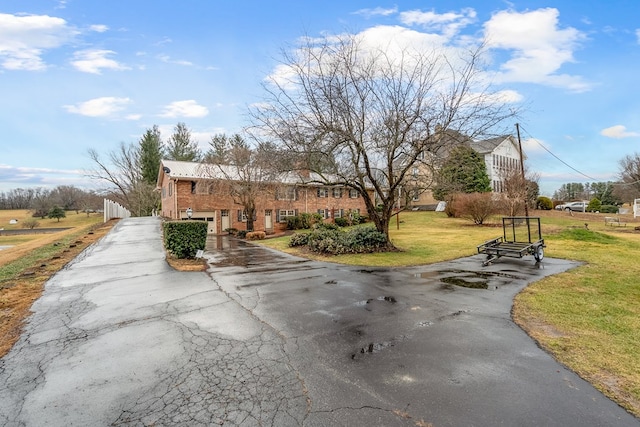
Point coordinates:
[[475, 206], [30, 223], [256, 235]]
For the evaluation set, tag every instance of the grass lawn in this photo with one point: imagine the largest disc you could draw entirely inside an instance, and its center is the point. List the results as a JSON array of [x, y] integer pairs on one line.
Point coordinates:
[[588, 318]]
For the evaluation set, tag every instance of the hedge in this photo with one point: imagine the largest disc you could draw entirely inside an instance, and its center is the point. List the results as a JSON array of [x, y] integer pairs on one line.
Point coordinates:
[[183, 239]]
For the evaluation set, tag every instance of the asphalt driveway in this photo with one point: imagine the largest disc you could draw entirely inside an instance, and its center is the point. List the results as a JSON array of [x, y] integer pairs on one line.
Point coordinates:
[[263, 338]]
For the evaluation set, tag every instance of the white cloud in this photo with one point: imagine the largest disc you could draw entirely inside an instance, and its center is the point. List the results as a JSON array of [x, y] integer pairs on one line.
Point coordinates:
[[378, 11], [133, 117], [638, 35], [99, 28], [99, 107], [16, 176], [449, 24], [538, 47], [188, 108], [94, 60], [618, 132], [533, 146], [168, 60], [23, 39]]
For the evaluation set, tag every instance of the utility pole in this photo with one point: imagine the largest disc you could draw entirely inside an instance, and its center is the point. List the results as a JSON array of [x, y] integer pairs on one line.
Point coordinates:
[[524, 182]]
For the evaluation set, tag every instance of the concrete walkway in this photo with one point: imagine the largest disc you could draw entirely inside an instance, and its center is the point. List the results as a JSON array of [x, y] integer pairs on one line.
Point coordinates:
[[266, 339]]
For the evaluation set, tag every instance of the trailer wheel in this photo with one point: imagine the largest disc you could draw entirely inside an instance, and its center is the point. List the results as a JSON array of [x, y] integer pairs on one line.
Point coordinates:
[[539, 253]]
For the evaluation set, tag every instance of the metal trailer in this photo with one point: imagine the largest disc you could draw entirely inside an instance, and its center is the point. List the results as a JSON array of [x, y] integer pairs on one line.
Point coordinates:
[[521, 236]]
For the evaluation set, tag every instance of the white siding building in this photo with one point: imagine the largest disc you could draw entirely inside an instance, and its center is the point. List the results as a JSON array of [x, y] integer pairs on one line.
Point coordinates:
[[501, 156]]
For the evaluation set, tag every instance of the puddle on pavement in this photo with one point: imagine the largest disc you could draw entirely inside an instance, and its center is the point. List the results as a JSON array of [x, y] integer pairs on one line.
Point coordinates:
[[364, 303], [376, 347], [468, 279]]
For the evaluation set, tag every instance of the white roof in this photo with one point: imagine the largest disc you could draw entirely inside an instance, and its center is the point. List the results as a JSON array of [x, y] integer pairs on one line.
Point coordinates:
[[197, 171]]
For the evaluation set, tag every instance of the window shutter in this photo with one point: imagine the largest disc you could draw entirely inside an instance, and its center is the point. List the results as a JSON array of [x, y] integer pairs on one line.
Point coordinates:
[[255, 215], [276, 194], [318, 192], [295, 193], [277, 215], [239, 215]]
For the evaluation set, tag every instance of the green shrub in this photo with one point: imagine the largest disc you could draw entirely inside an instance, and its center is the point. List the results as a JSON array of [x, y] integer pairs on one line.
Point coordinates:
[[256, 235], [299, 239], [241, 234], [183, 239], [544, 203], [342, 222], [332, 241], [366, 239], [325, 226], [594, 205], [356, 218], [232, 231], [303, 221], [608, 209]]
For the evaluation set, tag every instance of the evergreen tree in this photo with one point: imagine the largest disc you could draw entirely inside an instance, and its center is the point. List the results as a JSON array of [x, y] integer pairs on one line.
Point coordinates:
[[57, 212], [464, 171], [150, 155], [181, 147]]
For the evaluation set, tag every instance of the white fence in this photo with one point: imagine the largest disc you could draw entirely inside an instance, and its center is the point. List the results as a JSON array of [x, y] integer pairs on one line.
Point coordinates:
[[114, 210], [636, 208]]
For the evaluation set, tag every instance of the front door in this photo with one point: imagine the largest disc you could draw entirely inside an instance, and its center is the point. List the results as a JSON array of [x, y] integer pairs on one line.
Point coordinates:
[[268, 224], [224, 216]]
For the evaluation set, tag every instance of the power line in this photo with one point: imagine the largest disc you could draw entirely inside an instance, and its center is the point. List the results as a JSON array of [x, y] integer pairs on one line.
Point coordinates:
[[571, 167], [558, 158]]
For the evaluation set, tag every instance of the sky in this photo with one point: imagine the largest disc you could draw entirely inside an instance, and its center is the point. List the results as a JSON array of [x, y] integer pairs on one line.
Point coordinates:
[[78, 75]]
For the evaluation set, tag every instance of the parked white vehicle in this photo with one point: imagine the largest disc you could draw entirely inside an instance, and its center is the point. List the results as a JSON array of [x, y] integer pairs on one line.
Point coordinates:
[[573, 206]]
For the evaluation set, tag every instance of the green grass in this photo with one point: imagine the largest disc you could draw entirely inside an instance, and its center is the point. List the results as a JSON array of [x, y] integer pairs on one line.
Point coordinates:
[[588, 317]]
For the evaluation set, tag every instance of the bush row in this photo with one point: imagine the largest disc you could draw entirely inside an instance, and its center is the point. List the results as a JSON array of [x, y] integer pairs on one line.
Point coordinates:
[[332, 241], [183, 239]]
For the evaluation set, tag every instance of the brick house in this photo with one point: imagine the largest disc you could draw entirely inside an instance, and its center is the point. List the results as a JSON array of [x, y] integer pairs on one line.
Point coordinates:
[[184, 185]]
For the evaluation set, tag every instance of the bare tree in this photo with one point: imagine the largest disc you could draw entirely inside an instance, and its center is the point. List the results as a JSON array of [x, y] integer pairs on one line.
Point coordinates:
[[123, 178], [518, 190], [247, 174], [374, 112], [629, 188]]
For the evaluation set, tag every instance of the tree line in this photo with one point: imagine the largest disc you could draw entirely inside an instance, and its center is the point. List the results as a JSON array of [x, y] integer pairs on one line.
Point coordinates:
[[624, 190], [41, 200]]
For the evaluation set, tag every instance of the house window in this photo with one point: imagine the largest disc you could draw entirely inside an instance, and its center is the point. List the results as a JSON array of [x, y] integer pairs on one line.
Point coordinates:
[[201, 187], [338, 213], [323, 212], [323, 192], [170, 189], [283, 214], [337, 192], [416, 195], [353, 194], [286, 193], [415, 172]]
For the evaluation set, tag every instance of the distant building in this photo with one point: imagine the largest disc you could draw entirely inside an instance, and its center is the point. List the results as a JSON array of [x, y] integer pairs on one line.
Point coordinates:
[[501, 156]]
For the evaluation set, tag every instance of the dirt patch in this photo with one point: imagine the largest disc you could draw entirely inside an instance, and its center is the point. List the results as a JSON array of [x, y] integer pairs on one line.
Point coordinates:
[[187, 264]]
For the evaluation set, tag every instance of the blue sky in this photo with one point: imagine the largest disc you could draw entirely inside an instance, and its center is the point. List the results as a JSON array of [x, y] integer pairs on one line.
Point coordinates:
[[80, 74]]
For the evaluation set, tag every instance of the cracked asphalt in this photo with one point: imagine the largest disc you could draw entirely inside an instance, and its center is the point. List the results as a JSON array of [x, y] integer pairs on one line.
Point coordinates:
[[267, 339]]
